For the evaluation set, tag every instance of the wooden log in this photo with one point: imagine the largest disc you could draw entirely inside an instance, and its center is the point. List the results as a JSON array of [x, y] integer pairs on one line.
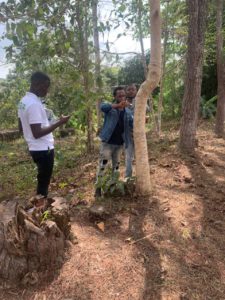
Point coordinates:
[[9, 135], [30, 245]]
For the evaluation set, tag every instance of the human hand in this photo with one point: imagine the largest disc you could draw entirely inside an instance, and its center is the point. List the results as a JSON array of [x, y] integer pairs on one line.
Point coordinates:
[[64, 119], [123, 104]]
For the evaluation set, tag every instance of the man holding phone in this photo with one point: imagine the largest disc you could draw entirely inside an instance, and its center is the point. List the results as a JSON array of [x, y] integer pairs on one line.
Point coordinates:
[[37, 131], [115, 133]]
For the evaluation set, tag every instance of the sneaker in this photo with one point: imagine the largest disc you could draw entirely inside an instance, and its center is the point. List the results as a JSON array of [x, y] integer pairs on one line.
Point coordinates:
[[98, 192]]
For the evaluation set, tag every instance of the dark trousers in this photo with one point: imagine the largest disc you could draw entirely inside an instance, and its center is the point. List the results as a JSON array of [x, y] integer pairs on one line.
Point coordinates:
[[44, 161]]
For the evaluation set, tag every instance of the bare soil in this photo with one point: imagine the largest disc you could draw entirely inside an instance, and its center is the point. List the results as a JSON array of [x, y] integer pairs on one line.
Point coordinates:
[[168, 246]]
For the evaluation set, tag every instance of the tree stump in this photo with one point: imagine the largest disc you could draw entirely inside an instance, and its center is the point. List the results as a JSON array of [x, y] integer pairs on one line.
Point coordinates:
[[33, 241]]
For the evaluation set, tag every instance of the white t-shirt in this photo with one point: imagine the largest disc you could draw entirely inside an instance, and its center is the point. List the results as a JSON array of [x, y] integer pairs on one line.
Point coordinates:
[[32, 111]]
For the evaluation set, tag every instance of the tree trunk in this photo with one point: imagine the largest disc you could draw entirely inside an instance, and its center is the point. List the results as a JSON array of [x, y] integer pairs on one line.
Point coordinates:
[[220, 113], [153, 114], [139, 18], [98, 78], [82, 21], [197, 18], [90, 145], [151, 82], [29, 245], [160, 103]]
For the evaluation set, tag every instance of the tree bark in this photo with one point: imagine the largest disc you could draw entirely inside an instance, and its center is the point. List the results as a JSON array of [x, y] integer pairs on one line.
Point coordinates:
[[160, 103], [197, 18], [98, 78], [82, 22], [141, 150], [220, 112], [29, 245]]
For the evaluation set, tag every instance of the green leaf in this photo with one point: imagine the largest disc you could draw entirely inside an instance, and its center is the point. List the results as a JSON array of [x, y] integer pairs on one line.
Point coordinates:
[[40, 12], [62, 185], [67, 45], [122, 8]]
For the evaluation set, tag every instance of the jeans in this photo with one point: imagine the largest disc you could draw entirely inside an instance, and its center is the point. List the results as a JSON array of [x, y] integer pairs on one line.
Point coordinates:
[[44, 161], [108, 152], [129, 156]]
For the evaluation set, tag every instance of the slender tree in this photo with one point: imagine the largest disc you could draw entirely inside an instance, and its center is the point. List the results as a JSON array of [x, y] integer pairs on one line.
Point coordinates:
[[82, 8], [220, 113], [141, 35], [98, 77], [197, 10], [162, 81], [151, 82]]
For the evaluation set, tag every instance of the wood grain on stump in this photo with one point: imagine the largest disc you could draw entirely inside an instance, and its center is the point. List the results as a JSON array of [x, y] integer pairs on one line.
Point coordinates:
[[30, 245]]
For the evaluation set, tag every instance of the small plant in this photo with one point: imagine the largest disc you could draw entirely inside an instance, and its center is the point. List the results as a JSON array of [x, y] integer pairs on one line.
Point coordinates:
[[208, 107], [46, 216], [62, 185], [111, 184]]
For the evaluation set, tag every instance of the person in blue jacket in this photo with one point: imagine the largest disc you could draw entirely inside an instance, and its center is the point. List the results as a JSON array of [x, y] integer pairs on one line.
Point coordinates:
[[116, 131], [131, 92]]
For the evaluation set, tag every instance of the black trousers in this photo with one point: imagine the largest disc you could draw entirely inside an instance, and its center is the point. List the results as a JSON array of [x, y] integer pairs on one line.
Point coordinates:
[[44, 161]]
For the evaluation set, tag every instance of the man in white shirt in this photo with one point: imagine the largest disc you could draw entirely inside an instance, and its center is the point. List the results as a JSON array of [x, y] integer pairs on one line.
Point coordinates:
[[37, 131]]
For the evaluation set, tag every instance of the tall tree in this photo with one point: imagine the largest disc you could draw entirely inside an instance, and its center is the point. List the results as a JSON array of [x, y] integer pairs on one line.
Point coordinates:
[[82, 9], [98, 77], [220, 113], [197, 10], [151, 82], [165, 34]]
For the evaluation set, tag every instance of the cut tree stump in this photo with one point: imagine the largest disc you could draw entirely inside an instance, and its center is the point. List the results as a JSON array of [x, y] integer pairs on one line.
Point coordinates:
[[32, 242]]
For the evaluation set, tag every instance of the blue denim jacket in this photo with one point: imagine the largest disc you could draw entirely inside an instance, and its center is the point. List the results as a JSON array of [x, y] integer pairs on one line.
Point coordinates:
[[111, 117]]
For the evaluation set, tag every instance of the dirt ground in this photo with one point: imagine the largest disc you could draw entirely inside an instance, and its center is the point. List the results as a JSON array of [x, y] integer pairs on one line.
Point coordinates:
[[169, 246]]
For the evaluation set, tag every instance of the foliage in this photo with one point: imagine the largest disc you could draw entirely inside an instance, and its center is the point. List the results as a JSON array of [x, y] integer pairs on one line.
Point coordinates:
[[18, 173], [110, 77], [10, 92], [208, 107], [111, 184], [209, 81], [126, 13], [132, 71], [49, 36]]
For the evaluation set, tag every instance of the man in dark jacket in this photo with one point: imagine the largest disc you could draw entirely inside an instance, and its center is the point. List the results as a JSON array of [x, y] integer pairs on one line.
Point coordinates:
[[116, 131]]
